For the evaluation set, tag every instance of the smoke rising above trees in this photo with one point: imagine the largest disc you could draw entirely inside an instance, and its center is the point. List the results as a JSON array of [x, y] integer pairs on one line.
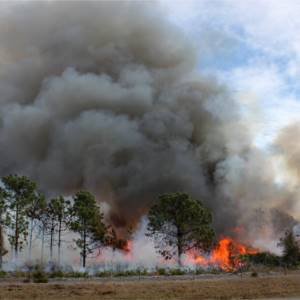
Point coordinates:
[[106, 96]]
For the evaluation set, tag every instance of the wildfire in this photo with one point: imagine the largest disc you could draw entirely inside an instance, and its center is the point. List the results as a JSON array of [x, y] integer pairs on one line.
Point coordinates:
[[127, 249], [225, 255]]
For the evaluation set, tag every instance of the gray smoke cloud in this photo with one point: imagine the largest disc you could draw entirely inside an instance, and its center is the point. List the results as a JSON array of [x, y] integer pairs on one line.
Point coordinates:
[[288, 144], [105, 96]]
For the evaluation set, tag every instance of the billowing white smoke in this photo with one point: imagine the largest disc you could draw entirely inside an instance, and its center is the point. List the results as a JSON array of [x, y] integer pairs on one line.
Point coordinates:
[[105, 96]]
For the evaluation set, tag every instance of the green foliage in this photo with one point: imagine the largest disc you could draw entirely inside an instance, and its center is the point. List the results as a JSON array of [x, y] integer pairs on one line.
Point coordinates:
[[214, 271], [103, 274], [20, 193], [179, 223], [291, 250], [87, 220], [3, 274], [36, 207], [39, 276], [174, 272], [57, 274], [56, 219], [19, 274], [261, 258], [76, 274], [199, 271], [161, 271], [3, 208], [57, 212], [125, 273]]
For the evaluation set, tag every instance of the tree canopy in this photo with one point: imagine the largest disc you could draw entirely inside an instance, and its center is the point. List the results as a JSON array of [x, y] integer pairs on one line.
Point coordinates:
[[179, 223], [87, 220], [20, 194], [291, 249]]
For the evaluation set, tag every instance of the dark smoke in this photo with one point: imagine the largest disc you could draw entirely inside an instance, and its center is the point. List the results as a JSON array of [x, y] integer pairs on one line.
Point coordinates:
[[105, 96]]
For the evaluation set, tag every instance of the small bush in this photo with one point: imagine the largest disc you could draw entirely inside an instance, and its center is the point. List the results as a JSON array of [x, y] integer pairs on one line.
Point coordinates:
[[77, 274], [57, 274], [199, 271], [126, 273], [214, 271], [19, 274], [176, 272], [262, 258], [142, 272], [39, 276], [103, 274], [2, 274], [162, 271]]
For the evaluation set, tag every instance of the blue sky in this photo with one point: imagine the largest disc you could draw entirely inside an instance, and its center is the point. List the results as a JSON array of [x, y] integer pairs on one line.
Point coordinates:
[[254, 47]]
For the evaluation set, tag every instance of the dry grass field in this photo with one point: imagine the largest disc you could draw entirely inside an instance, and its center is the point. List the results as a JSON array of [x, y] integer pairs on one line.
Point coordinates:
[[205, 288]]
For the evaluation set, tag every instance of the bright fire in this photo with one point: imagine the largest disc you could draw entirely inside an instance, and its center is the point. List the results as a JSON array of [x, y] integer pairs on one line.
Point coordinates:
[[128, 250], [225, 255]]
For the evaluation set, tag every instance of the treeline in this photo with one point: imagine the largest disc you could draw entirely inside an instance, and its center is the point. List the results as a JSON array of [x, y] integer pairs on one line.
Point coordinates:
[[177, 222], [24, 212]]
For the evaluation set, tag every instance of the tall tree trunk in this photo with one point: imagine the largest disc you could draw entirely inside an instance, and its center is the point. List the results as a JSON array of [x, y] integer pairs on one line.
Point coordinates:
[[179, 248], [16, 245], [12, 254], [43, 243], [59, 241], [51, 240], [2, 250], [30, 239], [84, 249]]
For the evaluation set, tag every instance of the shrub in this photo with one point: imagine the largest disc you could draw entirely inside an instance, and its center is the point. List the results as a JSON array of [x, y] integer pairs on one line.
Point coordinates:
[[103, 274], [126, 273], [57, 274], [291, 249], [161, 271], [19, 274], [176, 272], [77, 274], [262, 258], [39, 276], [142, 272], [199, 271], [214, 271], [2, 274]]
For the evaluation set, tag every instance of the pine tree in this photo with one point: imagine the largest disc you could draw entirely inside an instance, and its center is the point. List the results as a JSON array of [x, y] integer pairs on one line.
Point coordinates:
[[179, 223], [57, 221], [20, 193], [3, 208], [87, 221], [34, 211], [291, 249]]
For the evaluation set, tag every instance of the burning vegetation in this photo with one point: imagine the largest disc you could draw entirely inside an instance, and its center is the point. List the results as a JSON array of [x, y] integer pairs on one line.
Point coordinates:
[[180, 227], [103, 109], [225, 255]]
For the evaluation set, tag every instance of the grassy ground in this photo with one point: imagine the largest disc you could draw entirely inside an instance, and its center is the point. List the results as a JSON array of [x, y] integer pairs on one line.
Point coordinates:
[[224, 287]]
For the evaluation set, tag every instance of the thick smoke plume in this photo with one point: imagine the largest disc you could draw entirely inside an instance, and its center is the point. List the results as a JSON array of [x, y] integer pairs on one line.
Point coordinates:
[[105, 96]]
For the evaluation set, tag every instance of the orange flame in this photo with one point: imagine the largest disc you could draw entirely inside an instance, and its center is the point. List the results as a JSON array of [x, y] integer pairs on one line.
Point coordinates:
[[128, 250], [225, 255]]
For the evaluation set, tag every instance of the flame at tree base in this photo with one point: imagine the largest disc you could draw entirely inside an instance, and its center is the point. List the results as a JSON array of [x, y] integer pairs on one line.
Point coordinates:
[[225, 255]]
